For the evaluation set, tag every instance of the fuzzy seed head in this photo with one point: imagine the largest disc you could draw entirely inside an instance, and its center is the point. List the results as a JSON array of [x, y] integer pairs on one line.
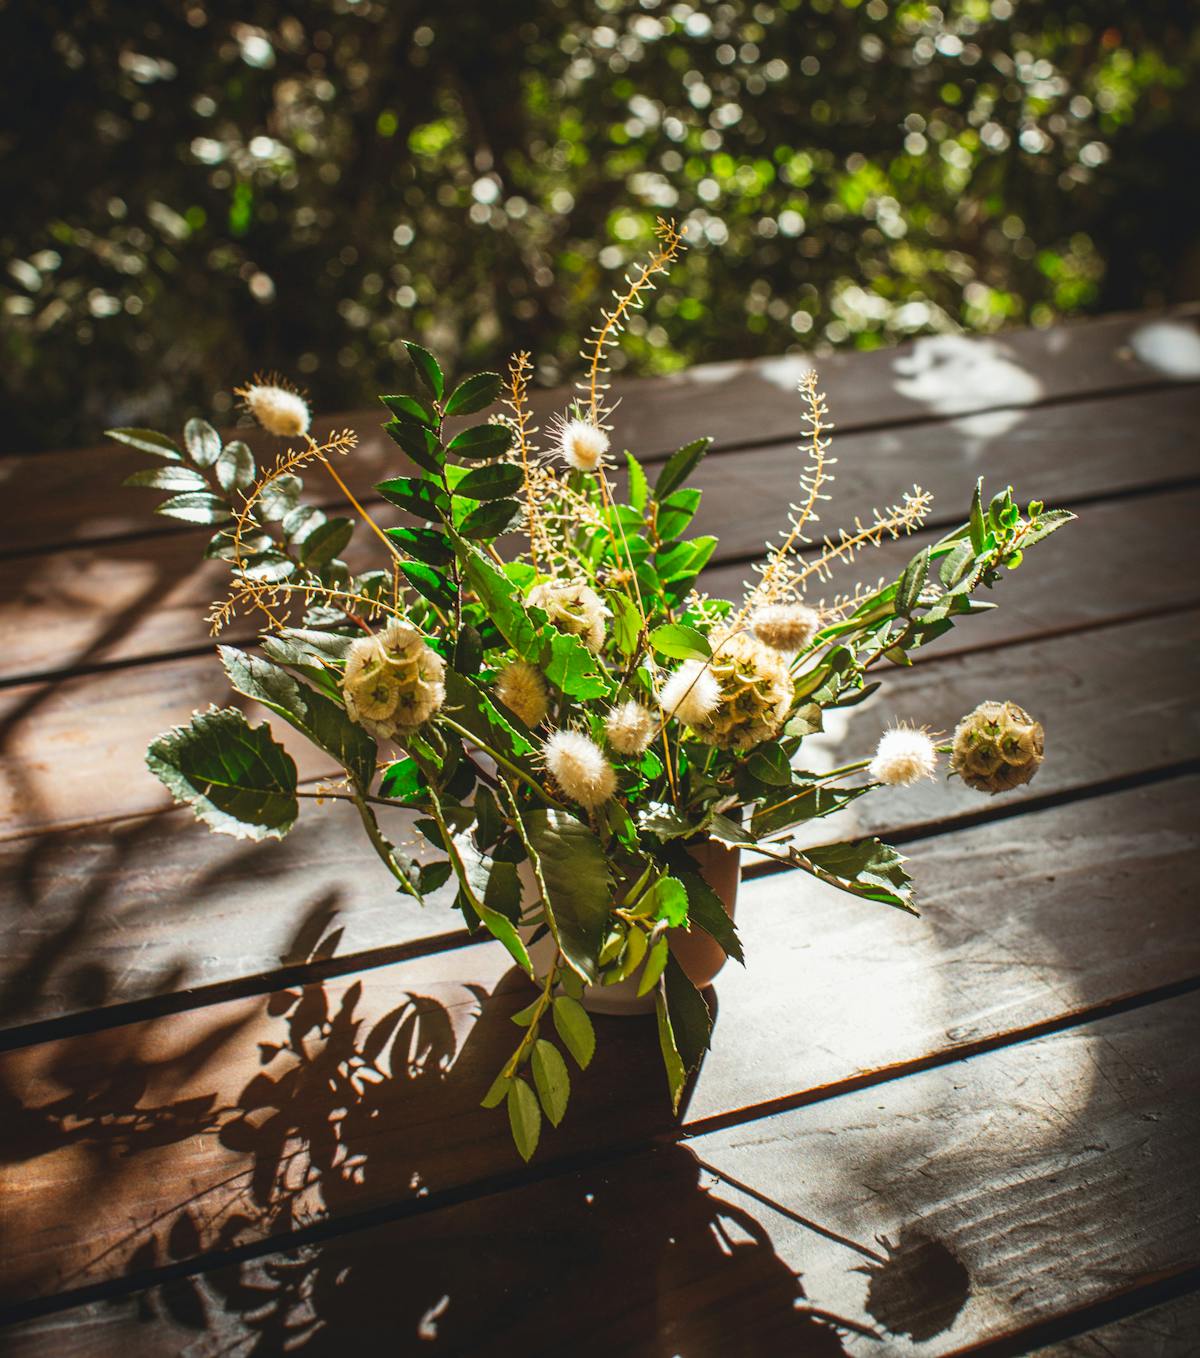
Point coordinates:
[[582, 444], [393, 682], [630, 727], [997, 747], [522, 689], [574, 607], [579, 768], [904, 756], [690, 694], [785, 627], [278, 408]]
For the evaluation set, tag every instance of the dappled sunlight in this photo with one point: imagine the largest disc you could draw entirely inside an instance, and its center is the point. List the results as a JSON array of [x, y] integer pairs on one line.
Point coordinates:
[[1168, 347]]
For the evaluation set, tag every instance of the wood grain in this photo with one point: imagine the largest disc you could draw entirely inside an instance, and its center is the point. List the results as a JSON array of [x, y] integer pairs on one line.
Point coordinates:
[[1166, 1331], [149, 596], [108, 1136], [74, 497], [918, 1217]]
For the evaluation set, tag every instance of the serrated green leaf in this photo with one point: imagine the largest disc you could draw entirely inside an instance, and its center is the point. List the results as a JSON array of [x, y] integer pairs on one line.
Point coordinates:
[[428, 369], [426, 544], [409, 409], [202, 442], [551, 1079], [911, 583], [575, 1030], [280, 496], [494, 481], [676, 512], [316, 716], [326, 542], [429, 583], [639, 489], [655, 962], [473, 393], [665, 899], [867, 868], [489, 520], [147, 441], [236, 467], [171, 477], [635, 950], [957, 563], [678, 641], [627, 622], [707, 910], [481, 441], [497, 1093], [236, 777], [672, 1062], [976, 525], [679, 466], [1049, 522], [419, 442], [524, 1117], [196, 506], [691, 1020], [573, 869], [421, 498]]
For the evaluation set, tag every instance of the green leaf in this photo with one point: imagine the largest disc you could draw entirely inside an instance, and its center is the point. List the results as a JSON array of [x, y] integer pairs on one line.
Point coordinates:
[[655, 963], [573, 870], [313, 714], [147, 441], [666, 899], [427, 368], [627, 622], [493, 481], [489, 520], [426, 544], [551, 1079], [575, 1030], [911, 583], [524, 1117], [678, 641], [866, 868], [281, 496], [802, 804], [473, 393], [957, 563], [769, 764], [497, 1093], [235, 467], [419, 442], [639, 490], [1047, 523], [482, 441], [635, 951], [326, 541], [691, 1021], [672, 1061], [676, 512], [410, 410], [472, 708], [706, 909], [977, 526], [202, 442], [432, 584], [679, 467], [168, 478], [236, 777], [419, 497], [196, 506]]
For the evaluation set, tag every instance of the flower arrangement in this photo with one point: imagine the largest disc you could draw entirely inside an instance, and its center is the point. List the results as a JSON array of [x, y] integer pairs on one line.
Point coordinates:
[[533, 671]]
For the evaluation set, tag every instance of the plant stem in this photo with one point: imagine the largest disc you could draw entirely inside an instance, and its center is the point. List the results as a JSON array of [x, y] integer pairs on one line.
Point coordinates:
[[382, 847], [503, 761]]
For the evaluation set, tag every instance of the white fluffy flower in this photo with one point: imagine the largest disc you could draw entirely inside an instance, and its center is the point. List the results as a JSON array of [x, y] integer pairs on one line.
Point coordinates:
[[904, 755], [277, 408], [691, 693], [522, 689], [785, 627], [630, 727], [578, 766], [582, 444]]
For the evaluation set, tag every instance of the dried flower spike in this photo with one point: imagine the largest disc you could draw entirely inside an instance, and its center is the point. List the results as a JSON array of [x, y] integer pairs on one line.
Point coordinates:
[[393, 682], [581, 443], [579, 768], [691, 693], [522, 689], [278, 407], [904, 756], [786, 627], [997, 747], [630, 727], [572, 607]]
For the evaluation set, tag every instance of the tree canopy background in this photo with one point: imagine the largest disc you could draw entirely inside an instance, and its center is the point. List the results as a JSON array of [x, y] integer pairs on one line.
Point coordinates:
[[201, 188]]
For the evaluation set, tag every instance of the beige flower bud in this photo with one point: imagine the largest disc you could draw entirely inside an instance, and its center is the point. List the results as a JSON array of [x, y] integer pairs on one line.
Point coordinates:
[[786, 627], [522, 689], [579, 768], [574, 607], [279, 409], [630, 727], [997, 747], [393, 682]]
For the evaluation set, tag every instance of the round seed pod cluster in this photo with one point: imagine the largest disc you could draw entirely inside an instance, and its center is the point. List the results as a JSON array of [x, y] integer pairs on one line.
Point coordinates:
[[997, 747]]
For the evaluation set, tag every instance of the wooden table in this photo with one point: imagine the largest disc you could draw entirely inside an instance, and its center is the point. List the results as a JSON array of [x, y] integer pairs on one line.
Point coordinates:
[[241, 1084]]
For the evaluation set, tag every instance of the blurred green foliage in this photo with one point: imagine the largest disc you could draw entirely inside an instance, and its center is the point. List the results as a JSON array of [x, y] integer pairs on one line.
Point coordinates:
[[201, 188]]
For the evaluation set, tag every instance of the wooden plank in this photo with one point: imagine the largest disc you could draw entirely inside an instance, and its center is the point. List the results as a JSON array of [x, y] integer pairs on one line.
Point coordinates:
[[220, 1109], [75, 748], [923, 1216], [149, 596], [1166, 1331], [76, 496]]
